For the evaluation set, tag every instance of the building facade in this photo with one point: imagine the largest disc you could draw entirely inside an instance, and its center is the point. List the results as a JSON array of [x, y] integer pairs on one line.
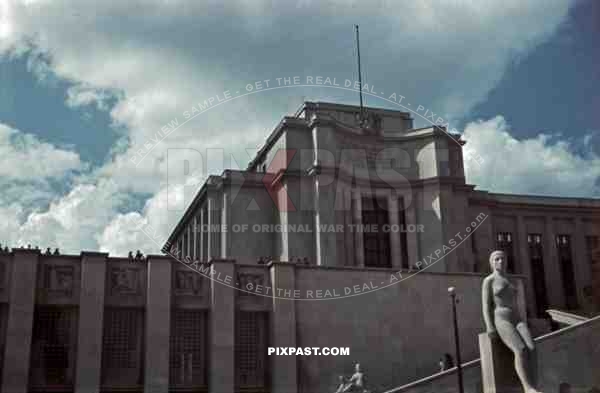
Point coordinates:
[[324, 177], [308, 216]]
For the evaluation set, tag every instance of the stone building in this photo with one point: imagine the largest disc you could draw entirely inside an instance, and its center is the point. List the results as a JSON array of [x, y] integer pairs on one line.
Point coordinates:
[[319, 169], [300, 220]]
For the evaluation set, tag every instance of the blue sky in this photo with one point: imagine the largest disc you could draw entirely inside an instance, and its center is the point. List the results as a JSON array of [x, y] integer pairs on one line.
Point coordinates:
[[84, 85]]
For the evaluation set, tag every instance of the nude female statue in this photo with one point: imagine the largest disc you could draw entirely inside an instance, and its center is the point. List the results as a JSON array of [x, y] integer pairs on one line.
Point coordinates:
[[502, 318]]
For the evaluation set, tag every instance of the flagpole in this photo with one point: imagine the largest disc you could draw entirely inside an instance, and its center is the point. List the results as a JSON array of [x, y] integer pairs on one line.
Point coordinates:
[[362, 117]]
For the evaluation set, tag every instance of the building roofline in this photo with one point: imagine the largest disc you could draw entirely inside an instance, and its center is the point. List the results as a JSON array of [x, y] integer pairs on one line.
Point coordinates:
[[295, 120], [287, 121], [198, 198], [316, 105], [536, 199]]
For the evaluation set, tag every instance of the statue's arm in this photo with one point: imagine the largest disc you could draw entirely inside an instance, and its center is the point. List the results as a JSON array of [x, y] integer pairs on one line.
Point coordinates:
[[488, 307]]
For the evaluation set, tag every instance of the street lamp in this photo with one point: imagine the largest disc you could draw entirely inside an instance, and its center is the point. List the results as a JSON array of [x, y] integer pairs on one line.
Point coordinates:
[[456, 339]]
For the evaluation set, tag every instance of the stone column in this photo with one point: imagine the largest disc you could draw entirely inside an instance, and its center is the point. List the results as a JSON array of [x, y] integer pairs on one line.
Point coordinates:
[[91, 322], [158, 325], [358, 235], [225, 222], [395, 244], [20, 320], [525, 265], [195, 238], [188, 251], [202, 256], [210, 211], [349, 229], [326, 240], [556, 298], [284, 378], [222, 324], [213, 209], [412, 240]]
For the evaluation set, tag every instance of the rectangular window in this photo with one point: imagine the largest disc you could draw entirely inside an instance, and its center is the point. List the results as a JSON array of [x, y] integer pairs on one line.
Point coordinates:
[[536, 259], [504, 242], [565, 259], [474, 251], [593, 258], [188, 351], [251, 344], [122, 349], [53, 349], [403, 240], [376, 241]]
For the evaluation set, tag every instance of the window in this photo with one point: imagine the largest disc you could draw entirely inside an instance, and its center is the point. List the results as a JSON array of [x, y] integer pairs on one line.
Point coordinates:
[[122, 348], [593, 257], [188, 351], [536, 260], [504, 242], [376, 241], [565, 259], [53, 348], [251, 351], [474, 251], [403, 240]]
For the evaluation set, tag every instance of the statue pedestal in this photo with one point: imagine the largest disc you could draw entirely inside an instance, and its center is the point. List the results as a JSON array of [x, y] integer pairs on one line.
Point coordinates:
[[497, 366]]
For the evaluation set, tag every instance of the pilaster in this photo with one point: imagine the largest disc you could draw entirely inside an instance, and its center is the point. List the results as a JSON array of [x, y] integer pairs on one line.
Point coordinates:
[[395, 244], [222, 327], [284, 377], [91, 318], [524, 265], [20, 321], [556, 298], [158, 325]]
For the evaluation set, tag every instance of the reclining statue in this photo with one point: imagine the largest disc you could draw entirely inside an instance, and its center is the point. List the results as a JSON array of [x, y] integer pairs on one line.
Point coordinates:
[[355, 384]]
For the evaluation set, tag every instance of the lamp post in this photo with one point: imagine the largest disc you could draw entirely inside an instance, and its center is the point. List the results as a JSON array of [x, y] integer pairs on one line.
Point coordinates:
[[456, 340]]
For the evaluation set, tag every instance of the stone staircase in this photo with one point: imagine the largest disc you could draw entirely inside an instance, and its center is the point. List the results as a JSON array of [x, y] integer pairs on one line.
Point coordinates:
[[568, 356]]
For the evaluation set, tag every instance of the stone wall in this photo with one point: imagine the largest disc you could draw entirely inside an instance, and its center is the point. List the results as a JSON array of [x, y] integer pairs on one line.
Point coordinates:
[[396, 333], [568, 356]]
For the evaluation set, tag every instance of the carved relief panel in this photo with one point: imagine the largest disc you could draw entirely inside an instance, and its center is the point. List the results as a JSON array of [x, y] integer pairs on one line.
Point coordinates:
[[126, 284], [254, 289], [59, 280], [189, 287]]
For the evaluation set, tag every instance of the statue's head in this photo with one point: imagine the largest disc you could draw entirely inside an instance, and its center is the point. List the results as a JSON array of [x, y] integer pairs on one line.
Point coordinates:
[[357, 367], [498, 261]]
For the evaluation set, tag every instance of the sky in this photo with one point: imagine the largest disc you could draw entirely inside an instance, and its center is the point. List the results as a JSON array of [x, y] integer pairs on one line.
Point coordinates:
[[85, 85]]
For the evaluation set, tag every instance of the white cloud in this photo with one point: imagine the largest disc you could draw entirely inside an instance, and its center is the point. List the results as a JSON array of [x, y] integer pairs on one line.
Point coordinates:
[[25, 157], [528, 166], [73, 221], [123, 233], [80, 95], [154, 59]]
